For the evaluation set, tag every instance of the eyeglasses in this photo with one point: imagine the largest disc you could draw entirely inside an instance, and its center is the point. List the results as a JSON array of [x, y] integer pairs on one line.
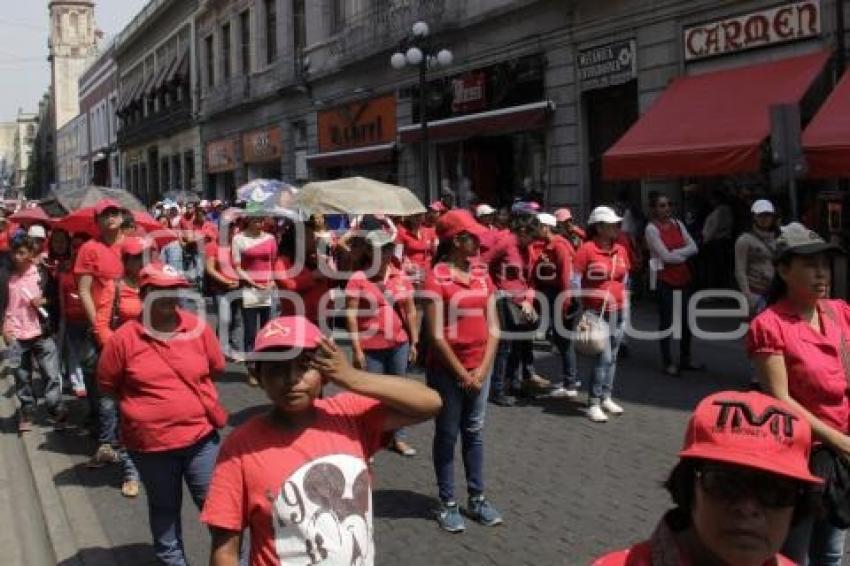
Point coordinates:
[[732, 485]]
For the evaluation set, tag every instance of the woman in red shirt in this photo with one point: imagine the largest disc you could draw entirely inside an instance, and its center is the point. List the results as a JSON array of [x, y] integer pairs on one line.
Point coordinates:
[[603, 266], [418, 243], [797, 345], [738, 488], [382, 318], [463, 333], [162, 377], [72, 316], [254, 252]]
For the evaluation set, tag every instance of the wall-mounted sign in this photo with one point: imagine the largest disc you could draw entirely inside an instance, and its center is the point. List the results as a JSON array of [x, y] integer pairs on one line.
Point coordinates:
[[607, 65], [262, 146], [469, 93], [368, 122], [781, 24], [221, 156]]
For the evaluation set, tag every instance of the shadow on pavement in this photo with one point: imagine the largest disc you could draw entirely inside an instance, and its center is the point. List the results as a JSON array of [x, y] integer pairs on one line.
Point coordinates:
[[403, 504], [126, 555]]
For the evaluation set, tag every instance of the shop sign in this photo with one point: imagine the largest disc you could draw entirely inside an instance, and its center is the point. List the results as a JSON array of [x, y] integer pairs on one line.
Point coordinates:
[[221, 156], [781, 24], [607, 65], [262, 146], [469, 93], [368, 122]]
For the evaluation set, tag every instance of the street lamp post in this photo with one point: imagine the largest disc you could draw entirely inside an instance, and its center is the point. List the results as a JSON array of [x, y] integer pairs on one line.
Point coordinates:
[[417, 51]]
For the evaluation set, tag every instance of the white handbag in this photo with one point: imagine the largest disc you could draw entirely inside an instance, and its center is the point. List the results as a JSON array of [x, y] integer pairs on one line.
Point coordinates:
[[253, 298], [592, 331]]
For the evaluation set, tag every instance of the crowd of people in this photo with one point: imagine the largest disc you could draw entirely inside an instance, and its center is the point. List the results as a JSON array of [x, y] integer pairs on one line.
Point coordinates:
[[116, 315]]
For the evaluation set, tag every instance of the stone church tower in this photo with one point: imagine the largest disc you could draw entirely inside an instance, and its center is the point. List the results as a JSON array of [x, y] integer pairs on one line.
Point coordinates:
[[72, 43]]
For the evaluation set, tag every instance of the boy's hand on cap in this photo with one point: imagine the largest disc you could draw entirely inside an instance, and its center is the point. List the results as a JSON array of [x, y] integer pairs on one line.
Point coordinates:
[[332, 362]]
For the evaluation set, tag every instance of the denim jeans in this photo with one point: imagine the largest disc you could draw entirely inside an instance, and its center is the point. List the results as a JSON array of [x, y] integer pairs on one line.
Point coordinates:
[[815, 542], [666, 294], [163, 474], [566, 349], [391, 361], [73, 349], [512, 355], [253, 320], [41, 350], [499, 379], [462, 413], [604, 369], [230, 323]]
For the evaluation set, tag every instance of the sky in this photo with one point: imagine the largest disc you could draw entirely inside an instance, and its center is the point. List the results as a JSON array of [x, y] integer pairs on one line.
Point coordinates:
[[24, 70]]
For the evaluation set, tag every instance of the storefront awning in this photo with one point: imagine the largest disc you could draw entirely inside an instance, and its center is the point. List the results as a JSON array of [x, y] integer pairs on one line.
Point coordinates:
[[711, 124], [180, 69], [160, 76], [130, 95], [827, 138], [358, 156], [522, 118]]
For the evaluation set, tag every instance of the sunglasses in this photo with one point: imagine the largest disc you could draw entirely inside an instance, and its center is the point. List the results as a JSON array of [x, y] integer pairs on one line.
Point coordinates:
[[733, 485]]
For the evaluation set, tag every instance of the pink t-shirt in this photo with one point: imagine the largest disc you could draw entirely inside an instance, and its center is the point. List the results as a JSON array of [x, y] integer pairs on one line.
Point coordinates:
[[816, 377], [21, 318], [380, 325], [256, 256], [306, 496]]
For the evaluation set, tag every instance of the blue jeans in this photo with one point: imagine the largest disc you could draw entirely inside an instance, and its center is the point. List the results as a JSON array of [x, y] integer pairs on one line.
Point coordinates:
[[73, 349], [602, 376], [569, 364], [500, 381], [815, 542], [392, 361], [666, 305], [253, 320], [43, 351], [463, 413], [163, 474], [229, 319]]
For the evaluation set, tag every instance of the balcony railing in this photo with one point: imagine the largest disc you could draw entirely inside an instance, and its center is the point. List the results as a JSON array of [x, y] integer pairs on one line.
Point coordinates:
[[386, 23], [163, 123]]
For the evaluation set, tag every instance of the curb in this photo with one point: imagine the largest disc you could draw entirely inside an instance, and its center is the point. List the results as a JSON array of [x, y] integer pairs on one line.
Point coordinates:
[[73, 530]]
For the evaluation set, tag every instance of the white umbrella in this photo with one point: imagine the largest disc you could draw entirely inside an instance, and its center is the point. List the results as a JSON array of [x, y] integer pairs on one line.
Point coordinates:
[[357, 195]]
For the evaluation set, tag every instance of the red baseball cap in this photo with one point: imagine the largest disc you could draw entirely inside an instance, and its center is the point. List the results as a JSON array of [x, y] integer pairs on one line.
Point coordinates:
[[134, 245], [456, 221], [751, 430], [288, 332], [161, 276], [105, 204]]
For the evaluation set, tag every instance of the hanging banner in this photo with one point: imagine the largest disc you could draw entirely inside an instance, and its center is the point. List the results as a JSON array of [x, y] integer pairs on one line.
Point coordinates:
[[608, 65]]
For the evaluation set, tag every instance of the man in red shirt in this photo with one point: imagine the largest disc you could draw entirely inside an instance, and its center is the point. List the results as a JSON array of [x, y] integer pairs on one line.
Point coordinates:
[[97, 267], [297, 477]]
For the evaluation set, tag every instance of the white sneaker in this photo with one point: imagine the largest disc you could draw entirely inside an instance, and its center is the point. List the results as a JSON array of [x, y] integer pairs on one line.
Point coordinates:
[[563, 393], [596, 414], [610, 406]]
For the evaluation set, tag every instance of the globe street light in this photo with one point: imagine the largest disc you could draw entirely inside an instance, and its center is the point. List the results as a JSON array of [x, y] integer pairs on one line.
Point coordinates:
[[417, 51]]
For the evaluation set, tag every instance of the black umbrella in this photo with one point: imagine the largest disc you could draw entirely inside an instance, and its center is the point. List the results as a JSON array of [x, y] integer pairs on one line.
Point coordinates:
[[84, 197]]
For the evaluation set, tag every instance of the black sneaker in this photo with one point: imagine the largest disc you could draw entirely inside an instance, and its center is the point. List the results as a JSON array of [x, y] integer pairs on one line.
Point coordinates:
[[503, 400]]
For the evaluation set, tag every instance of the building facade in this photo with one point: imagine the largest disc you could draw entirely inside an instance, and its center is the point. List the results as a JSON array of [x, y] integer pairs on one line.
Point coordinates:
[[42, 172], [72, 165], [158, 137], [8, 132], [99, 100], [26, 125]]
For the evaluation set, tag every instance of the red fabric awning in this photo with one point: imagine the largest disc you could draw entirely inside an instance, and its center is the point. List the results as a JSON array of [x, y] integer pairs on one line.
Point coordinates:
[[349, 157], [827, 138], [522, 118], [711, 124]]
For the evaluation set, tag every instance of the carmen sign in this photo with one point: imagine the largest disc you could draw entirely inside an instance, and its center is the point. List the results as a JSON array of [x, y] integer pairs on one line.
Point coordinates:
[[358, 124], [782, 24]]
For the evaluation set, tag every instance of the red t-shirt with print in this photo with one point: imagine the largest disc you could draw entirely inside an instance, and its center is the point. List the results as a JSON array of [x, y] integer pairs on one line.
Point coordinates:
[[305, 495]]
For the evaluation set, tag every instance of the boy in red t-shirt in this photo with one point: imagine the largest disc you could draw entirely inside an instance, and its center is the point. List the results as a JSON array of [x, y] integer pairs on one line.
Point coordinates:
[[298, 476]]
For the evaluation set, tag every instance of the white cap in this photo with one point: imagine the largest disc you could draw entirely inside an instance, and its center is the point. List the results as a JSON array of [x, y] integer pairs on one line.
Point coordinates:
[[484, 210], [604, 215], [547, 219], [205, 204], [37, 231], [763, 206]]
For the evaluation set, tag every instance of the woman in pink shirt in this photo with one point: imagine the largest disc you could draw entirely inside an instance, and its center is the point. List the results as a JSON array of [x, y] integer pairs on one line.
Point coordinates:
[[254, 252], [797, 345], [382, 318]]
